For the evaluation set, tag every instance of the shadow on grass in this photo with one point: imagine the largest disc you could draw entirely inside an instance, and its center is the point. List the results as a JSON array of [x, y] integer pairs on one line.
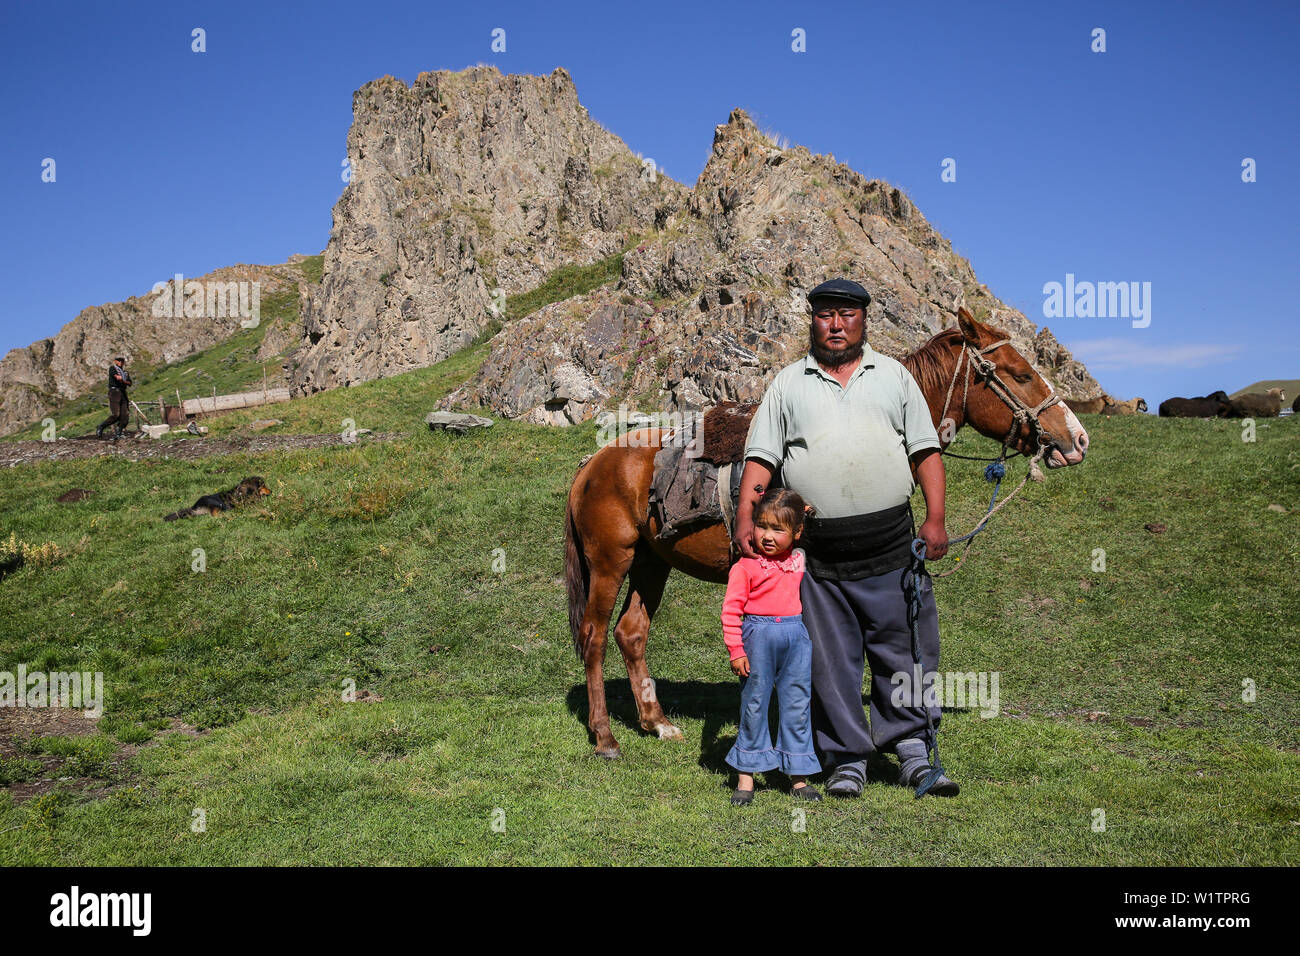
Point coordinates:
[[713, 703], [716, 705]]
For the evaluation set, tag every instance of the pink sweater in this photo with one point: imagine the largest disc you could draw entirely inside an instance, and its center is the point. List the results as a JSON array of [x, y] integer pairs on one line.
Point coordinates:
[[760, 586]]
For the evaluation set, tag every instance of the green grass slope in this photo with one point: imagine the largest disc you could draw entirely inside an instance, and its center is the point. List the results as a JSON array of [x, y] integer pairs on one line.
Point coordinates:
[[428, 571], [1290, 385]]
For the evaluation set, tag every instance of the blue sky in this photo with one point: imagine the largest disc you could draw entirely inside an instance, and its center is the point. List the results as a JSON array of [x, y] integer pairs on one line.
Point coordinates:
[[1115, 166]]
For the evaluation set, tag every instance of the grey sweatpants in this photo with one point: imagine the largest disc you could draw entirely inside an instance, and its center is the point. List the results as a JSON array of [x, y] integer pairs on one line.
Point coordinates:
[[853, 623]]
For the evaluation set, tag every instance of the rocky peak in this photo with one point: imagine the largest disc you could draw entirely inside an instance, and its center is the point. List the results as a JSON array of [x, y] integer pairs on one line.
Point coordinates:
[[469, 186], [463, 184], [712, 305]]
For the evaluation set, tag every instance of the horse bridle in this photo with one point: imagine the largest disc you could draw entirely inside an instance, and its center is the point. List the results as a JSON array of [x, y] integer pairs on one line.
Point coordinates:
[[986, 371]]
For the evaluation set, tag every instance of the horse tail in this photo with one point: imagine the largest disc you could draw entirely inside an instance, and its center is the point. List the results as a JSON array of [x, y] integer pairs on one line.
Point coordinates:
[[577, 576]]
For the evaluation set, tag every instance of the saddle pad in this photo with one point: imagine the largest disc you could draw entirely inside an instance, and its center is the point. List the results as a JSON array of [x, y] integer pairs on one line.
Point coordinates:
[[685, 492]]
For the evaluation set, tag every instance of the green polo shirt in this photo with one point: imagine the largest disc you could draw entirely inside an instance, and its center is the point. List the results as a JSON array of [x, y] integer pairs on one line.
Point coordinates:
[[844, 449]]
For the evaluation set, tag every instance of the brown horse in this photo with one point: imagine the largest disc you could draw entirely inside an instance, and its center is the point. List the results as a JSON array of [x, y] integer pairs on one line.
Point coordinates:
[[968, 374]]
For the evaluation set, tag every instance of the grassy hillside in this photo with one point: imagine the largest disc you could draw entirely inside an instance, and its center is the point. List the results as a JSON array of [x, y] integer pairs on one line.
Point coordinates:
[[1291, 385], [1120, 690], [228, 366], [233, 366]]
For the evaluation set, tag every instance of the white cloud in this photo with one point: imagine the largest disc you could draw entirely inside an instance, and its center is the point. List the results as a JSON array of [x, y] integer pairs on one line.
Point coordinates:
[[1116, 353]]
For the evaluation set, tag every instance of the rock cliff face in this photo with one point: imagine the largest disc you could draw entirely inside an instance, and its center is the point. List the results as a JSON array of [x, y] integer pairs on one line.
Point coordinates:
[[36, 378], [713, 304], [462, 184]]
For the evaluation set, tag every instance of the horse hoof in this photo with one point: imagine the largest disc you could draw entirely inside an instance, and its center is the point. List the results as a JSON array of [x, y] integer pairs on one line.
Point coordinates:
[[609, 753], [669, 732]]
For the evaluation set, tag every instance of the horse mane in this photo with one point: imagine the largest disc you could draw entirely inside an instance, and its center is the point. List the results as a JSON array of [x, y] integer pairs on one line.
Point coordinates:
[[930, 364]]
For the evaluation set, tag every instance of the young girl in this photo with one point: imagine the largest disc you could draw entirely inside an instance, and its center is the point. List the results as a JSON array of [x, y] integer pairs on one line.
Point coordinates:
[[771, 650]]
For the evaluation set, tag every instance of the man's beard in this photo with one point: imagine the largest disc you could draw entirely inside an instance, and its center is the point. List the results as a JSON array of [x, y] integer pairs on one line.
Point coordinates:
[[834, 358]]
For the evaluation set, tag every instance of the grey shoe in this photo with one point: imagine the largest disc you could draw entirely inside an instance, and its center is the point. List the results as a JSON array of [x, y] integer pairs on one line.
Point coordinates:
[[847, 780], [943, 787]]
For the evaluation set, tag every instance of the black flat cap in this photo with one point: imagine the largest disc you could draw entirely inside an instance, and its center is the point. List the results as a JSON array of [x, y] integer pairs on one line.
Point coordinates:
[[842, 289]]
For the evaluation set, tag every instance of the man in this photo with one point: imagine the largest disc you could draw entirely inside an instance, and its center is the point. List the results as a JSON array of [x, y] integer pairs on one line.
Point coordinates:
[[845, 425], [119, 406]]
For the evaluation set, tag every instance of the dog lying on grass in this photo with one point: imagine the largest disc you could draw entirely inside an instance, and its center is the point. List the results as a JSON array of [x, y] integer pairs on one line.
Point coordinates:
[[241, 494]]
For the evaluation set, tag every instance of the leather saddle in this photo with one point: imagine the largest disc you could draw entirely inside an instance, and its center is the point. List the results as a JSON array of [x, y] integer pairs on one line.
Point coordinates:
[[691, 470]]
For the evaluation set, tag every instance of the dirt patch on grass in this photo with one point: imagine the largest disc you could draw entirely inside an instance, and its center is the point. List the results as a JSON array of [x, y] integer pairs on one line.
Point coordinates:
[[17, 453], [19, 723], [27, 772]]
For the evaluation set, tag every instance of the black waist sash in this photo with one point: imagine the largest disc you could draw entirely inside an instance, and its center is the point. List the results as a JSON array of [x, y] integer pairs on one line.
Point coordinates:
[[859, 546]]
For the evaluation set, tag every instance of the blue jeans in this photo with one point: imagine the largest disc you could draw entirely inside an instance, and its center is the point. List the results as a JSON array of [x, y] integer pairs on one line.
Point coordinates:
[[780, 658]]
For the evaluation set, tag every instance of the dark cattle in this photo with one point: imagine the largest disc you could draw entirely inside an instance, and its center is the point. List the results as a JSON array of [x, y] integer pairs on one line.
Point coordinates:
[[1207, 406], [1255, 405]]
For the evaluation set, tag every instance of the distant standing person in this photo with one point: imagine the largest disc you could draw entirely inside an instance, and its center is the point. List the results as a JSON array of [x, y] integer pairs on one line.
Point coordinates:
[[119, 405]]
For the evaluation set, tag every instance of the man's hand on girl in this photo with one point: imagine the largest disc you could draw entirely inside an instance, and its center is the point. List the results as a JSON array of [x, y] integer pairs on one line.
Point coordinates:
[[745, 538]]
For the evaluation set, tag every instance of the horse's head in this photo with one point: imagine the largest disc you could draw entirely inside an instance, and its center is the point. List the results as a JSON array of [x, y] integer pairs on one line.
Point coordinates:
[[1007, 398]]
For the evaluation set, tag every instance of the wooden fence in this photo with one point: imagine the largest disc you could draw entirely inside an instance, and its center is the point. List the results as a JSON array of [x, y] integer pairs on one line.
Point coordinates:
[[225, 403]]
